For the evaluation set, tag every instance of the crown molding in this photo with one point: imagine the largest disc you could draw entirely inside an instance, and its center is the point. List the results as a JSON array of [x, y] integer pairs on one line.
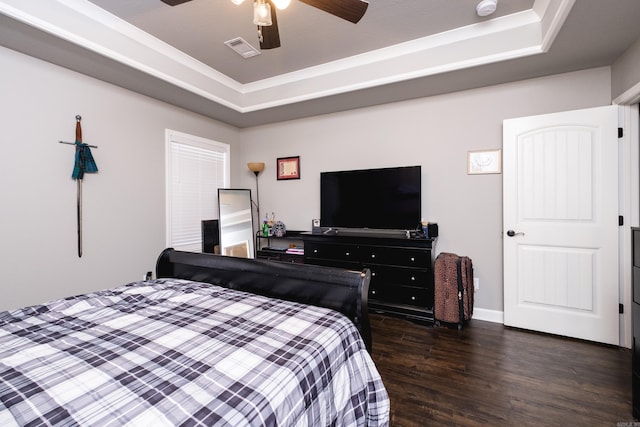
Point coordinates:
[[84, 24]]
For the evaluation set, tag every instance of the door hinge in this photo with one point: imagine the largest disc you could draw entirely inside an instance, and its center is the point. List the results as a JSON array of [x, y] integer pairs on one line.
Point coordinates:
[[620, 133], [621, 308], [620, 220]]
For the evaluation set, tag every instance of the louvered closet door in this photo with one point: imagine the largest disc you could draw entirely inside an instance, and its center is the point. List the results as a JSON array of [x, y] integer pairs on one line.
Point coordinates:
[[561, 203]]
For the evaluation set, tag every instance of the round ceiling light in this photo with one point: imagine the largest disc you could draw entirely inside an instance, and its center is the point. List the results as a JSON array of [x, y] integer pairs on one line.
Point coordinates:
[[486, 7]]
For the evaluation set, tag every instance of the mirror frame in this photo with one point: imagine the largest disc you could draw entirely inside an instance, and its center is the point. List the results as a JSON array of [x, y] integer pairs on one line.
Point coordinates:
[[235, 215]]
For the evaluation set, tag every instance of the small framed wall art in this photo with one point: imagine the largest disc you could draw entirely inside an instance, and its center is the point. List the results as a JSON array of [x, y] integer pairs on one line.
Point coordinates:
[[484, 161], [288, 168]]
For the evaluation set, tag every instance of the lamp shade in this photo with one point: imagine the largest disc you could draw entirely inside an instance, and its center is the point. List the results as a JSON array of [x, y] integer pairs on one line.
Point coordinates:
[[255, 167]]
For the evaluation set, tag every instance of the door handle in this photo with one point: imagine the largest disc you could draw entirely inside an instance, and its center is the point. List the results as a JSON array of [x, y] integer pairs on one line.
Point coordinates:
[[512, 233]]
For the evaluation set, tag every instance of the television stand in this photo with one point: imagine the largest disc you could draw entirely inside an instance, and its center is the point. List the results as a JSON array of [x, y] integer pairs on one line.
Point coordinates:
[[402, 280]]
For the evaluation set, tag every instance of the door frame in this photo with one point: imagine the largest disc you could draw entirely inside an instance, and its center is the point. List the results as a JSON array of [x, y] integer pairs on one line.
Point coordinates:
[[629, 206]]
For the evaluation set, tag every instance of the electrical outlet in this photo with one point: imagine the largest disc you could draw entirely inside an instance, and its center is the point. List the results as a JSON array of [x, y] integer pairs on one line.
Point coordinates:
[[476, 283]]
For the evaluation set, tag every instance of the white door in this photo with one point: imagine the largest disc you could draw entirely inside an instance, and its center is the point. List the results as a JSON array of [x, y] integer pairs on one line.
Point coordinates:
[[560, 215]]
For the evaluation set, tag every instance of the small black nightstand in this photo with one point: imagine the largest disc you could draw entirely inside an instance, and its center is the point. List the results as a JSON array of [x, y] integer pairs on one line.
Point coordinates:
[[276, 247]]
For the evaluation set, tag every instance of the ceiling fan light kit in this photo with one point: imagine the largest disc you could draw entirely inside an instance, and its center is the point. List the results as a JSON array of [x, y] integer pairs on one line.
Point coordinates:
[[282, 4], [261, 13], [264, 16]]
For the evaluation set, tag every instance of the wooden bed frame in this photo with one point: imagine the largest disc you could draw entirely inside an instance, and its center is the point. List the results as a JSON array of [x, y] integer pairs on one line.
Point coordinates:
[[341, 290]]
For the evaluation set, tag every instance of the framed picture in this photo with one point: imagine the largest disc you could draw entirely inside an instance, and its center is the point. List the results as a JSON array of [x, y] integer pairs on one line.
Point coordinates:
[[484, 161], [288, 167]]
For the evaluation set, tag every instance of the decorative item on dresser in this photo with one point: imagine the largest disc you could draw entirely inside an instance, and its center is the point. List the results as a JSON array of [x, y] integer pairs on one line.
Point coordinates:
[[401, 269]]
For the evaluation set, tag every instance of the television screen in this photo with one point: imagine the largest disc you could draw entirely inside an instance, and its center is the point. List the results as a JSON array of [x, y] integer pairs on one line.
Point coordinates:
[[388, 198]]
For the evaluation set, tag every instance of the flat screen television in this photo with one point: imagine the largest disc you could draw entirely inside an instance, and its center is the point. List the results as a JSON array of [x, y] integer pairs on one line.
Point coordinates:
[[387, 198]]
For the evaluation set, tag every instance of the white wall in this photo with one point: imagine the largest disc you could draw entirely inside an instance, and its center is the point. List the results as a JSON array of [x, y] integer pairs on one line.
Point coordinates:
[[124, 203], [625, 72], [435, 133]]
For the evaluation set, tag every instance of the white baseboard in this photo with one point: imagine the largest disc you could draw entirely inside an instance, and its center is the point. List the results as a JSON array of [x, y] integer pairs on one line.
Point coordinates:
[[488, 315]]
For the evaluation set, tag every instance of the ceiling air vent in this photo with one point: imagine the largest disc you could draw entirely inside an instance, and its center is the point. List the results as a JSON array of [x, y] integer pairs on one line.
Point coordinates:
[[242, 48]]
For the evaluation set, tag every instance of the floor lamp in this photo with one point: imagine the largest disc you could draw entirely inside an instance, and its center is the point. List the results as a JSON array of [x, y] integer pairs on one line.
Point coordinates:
[[256, 168]]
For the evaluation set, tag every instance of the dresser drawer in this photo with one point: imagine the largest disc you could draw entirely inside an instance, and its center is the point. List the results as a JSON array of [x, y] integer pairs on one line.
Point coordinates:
[[406, 257], [635, 356], [636, 284], [405, 295], [331, 251], [401, 276], [333, 263], [636, 247]]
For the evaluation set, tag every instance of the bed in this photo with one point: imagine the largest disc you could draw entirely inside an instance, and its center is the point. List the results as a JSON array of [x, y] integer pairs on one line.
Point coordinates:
[[213, 340]]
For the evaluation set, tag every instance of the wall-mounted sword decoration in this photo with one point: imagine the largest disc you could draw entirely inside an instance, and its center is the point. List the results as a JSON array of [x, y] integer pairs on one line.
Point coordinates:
[[84, 163]]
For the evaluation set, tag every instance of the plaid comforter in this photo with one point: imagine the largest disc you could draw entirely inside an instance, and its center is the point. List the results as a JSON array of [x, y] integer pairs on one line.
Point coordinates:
[[175, 352]]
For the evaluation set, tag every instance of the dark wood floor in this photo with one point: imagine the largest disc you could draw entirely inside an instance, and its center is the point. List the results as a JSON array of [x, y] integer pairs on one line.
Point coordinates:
[[490, 375]]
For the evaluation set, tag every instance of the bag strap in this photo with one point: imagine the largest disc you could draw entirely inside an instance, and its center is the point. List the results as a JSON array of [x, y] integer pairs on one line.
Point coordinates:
[[460, 289]]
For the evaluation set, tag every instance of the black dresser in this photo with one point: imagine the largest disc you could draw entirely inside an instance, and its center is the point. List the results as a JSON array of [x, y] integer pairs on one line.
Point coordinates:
[[635, 313], [401, 269]]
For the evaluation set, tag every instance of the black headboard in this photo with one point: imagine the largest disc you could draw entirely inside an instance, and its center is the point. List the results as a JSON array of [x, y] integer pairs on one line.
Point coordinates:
[[341, 290]]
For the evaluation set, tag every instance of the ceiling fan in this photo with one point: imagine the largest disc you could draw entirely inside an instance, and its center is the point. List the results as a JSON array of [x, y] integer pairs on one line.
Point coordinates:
[[264, 14]]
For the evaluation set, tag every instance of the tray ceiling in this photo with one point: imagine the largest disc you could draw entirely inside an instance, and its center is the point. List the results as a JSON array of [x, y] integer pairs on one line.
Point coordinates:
[[401, 49]]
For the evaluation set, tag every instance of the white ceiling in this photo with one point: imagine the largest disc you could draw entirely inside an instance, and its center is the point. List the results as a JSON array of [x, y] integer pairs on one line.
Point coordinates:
[[309, 36], [401, 49]]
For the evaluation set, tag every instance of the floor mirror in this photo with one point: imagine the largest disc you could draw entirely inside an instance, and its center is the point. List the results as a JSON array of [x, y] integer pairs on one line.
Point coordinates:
[[236, 223]]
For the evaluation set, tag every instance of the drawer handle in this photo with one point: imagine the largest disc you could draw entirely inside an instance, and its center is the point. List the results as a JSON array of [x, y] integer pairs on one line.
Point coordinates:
[[373, 255], [373, 274], [412, 259], [373, 292], [413, 298], [347, 253], [413, 279], [315, 251]]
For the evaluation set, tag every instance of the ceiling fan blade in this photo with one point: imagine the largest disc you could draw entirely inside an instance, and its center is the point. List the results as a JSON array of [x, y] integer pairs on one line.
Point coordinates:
[[351, 10], [270, 33], [175, 2]]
